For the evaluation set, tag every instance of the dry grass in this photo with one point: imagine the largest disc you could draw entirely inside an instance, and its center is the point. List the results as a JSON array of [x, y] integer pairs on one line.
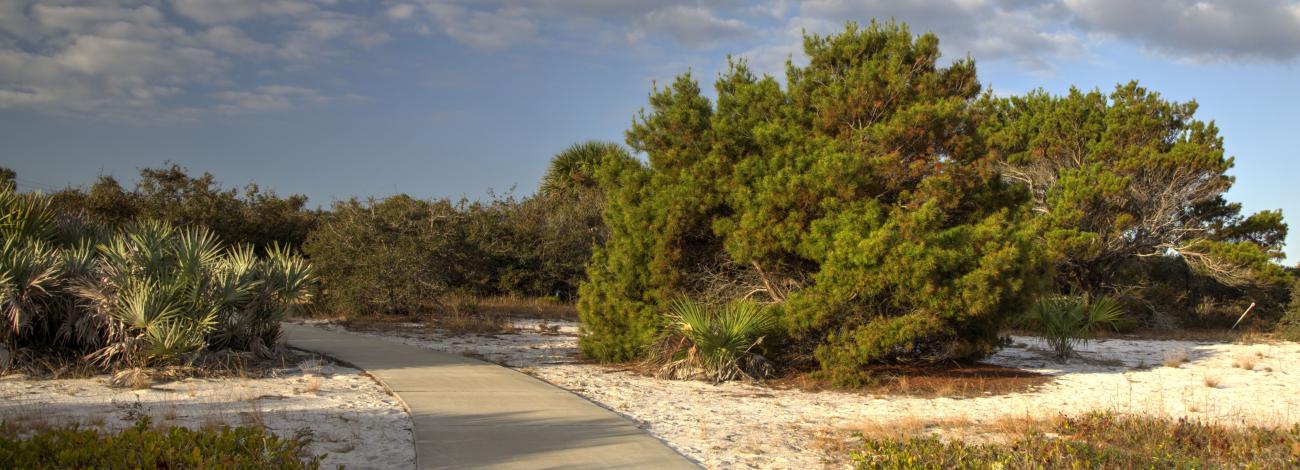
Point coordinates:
[[1212, 380], [1193, 334], [963, 380], [1176, 358], [1244, 362], [1092, 440], [527, 307], [136, 378], [312, 386]]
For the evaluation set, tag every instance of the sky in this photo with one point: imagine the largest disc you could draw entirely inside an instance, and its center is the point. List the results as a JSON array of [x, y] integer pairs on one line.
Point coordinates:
[[453, 98]]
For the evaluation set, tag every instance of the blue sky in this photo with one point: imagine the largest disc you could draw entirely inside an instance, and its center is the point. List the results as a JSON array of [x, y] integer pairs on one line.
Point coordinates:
[[336, 98]]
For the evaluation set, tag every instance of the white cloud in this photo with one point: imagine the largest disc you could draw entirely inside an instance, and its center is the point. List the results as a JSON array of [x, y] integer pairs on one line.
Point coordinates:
[[231, 39], [691, 26], [269, 98], [223, 11], [1199, 30], [125, 60], [492, 29]]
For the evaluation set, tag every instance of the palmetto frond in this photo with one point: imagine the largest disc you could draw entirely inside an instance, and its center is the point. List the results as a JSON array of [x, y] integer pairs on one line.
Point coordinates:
[[716, 343]]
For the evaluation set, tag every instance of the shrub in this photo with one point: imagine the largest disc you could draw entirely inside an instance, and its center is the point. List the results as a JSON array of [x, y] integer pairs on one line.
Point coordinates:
[[1097, 441], [714, 343], [403, 255], [1289, 325], [1066, 321], [858, 200], [142, 446], [399, 255], [253, 215], [147, 294]]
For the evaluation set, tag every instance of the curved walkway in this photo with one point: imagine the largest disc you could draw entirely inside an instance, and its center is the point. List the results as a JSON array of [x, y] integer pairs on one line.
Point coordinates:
[[473, 414]]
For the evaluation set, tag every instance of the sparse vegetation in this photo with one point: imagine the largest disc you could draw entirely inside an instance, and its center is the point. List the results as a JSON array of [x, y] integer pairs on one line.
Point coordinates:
[[1175, 358], [1095, 441]]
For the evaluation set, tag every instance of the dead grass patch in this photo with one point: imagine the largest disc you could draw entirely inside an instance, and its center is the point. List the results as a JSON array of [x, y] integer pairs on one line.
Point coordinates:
[[953, 380], [1175, 358], [1244, 362], [528, 307]]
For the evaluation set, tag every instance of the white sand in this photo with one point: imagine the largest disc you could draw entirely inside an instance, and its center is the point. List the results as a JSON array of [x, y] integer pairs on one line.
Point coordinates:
[[352, 417], [738, 425]]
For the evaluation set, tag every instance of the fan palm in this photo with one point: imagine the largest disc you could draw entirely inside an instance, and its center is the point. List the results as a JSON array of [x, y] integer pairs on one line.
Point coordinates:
[[716, 343], [575, 167], [1067, 321]]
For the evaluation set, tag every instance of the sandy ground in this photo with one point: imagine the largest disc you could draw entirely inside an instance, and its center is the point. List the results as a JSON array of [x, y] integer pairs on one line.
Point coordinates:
[[737, 425], [353, 419]]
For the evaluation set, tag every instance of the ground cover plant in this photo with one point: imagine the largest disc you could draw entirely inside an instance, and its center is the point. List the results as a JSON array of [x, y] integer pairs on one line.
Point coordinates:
[[1096, 440], [148, 446]]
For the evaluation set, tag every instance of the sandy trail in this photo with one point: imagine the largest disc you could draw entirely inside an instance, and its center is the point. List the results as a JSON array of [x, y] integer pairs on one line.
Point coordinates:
[[737, 425]]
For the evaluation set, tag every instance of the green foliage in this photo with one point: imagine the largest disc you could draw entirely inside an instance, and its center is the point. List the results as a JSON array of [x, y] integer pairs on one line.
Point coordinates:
[[1098, 441], [143, 446], [395, 256], [574, 169], [403, 255], [859, 200], [1124, 179], [146, 294], [1289, 325], [1066, 321], [8, 178], [169, 194], [716, 343]]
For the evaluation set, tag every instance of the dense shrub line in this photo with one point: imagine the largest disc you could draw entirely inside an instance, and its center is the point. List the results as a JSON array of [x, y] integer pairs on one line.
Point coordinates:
[[169, 194], [402, 255]]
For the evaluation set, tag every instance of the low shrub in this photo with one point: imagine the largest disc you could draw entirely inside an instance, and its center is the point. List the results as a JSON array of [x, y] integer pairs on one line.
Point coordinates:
[[1097, 441], [1066, 321], [716, 343], [143, 446], [143, 295]]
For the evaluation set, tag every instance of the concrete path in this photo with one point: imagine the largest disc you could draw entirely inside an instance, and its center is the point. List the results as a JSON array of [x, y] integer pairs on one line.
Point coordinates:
[[473, 414]]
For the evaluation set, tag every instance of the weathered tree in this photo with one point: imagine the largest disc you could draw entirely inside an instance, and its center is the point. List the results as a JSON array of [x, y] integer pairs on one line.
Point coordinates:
[[1129, 175]]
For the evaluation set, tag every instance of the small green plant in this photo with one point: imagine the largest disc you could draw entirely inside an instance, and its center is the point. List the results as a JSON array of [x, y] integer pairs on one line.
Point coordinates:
[[144, 446], [716, 343], [1067, 321]]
